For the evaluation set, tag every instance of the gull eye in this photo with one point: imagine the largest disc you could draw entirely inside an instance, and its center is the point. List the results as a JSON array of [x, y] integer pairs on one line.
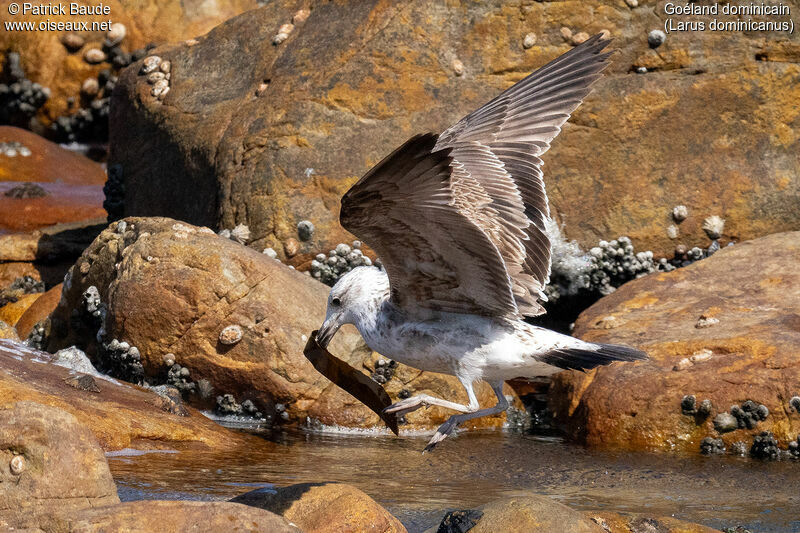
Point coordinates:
[[336, 302]]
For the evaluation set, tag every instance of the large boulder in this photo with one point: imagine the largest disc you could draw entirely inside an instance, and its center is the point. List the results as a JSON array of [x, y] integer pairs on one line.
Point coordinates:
[[527, 512], [177, 517], [48, 61], [48, 462], [613, 522], [119, 414], [325, 508], [170, 290], [294, 124], [47, 185], [725, 329]]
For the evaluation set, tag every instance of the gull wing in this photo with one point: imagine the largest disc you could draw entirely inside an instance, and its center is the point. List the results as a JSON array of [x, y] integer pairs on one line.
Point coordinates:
[[497, 147], [435, 255]]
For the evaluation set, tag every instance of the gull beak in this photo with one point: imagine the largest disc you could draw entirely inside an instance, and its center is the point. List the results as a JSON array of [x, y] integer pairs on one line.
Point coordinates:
[[327, 331]]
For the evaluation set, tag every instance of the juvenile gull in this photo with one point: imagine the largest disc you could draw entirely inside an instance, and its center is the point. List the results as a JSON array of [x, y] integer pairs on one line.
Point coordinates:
[[458, 220]]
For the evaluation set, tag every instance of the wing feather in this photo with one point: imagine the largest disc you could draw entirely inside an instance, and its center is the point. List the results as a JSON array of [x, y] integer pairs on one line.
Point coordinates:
[[498, 146], [434, 255]]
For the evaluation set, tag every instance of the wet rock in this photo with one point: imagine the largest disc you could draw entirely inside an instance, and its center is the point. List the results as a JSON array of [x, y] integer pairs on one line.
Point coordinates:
[[274, 305], [530, 512], [52, 186], [613, 522], [754, 297], [160, 516], [75, 477], [119, 416], [324, 507]]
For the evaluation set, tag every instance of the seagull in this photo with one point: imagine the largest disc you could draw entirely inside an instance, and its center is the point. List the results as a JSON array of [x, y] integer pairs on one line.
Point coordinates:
[[458, 221]]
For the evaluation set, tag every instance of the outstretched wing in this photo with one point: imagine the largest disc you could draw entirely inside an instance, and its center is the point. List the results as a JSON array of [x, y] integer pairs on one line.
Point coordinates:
[[498, 146], [435, 255]]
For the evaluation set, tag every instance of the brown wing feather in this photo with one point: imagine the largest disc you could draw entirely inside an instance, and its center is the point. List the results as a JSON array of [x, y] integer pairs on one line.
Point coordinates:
[[435, 255], [497, 147]]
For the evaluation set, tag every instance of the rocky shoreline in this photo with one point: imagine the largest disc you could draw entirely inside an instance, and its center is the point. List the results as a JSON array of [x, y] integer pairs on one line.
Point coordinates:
[[160, 269]]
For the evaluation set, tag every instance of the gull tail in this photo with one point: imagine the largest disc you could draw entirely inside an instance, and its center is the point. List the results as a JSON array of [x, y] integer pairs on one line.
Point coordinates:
[[592, 356]]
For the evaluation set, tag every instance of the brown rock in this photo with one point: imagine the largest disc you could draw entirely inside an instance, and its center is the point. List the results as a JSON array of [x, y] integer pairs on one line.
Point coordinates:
[[11, 271], [39, 310], [120, 415], [530, 512], [8, 332], [177, 287], [342, 82], [34, 479], [49, 246], [179, 516], [47, 59], [751, 354], [325, 508], [613, 522], [11, 312], [73, 184]]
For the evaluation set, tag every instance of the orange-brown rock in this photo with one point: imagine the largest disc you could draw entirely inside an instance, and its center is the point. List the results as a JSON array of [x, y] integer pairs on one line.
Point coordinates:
[[613, 522], [529, 512], [325, 508], [177, 517], [69, 186], [12, 311], [47, 61], [9, 272], [120, 415], [8, 332], [305, 118], [48, 461], [749, 354], [171, 288], [49, 246], [38, 311]]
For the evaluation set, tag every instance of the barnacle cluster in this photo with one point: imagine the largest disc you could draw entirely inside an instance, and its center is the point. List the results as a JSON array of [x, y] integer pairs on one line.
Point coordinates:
[[384, 370], [20, 98], [749, 414], [616, 262], [227, 405], [765, 446], [120, 359], [689, 406], [328, 269], [794, 447], [710, 446], [13, 149], [179, 377]]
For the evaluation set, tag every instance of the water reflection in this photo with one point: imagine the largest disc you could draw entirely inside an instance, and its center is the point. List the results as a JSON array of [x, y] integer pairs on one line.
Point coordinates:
[[477, 467]]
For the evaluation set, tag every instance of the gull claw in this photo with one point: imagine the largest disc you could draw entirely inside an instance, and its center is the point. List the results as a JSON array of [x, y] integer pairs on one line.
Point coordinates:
[[441, 433], [403, 407]]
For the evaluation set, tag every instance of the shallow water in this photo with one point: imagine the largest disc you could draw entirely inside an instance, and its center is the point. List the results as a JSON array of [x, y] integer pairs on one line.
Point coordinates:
[[477, 467]]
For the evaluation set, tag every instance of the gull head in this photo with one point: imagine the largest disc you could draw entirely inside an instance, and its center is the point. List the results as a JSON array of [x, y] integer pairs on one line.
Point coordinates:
[[355, 299]]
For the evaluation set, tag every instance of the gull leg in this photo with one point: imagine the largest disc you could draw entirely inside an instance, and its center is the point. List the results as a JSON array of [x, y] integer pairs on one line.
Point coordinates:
[[403, 407], [452, 422]]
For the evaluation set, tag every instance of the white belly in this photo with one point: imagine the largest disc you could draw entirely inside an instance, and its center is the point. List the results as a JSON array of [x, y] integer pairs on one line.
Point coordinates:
[[467, 346]]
